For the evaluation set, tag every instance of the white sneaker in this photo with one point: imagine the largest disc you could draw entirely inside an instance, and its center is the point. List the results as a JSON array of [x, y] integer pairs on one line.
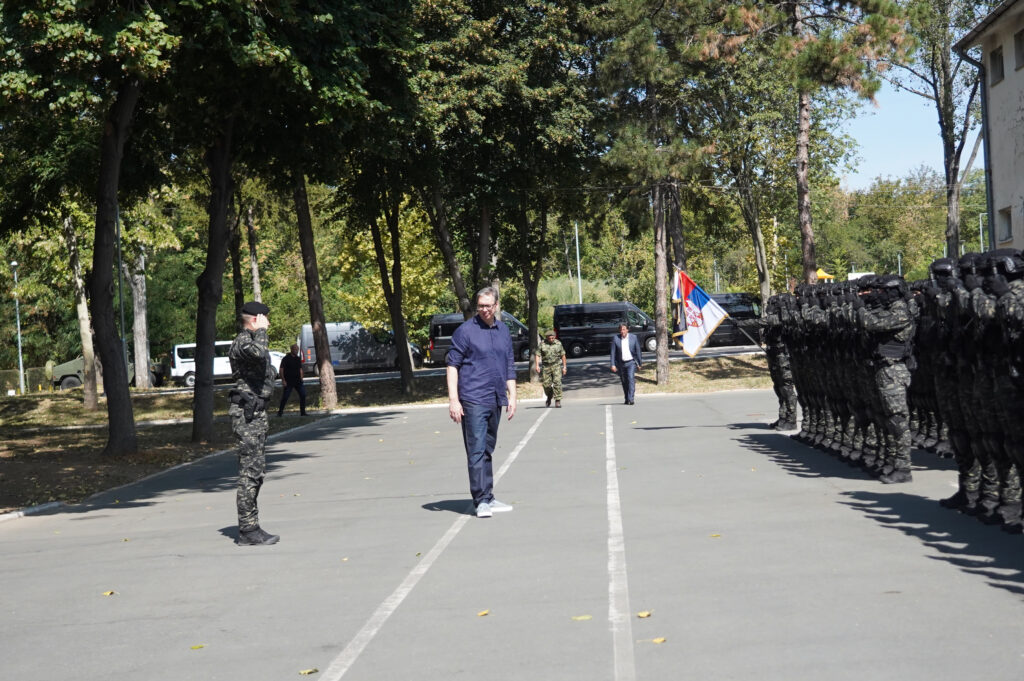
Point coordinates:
[[499, 506], [483, 510]]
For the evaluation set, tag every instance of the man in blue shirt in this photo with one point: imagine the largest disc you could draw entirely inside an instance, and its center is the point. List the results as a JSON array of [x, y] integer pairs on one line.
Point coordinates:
[[481, 380]]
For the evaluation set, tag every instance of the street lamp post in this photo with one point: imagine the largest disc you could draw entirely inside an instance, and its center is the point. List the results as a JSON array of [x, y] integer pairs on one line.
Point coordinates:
[[17, 321]]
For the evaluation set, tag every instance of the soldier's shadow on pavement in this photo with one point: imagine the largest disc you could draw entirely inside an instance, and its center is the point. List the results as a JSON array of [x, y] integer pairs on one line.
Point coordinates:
[[799, 459], [218, 472], [960, 540], [462, 506]]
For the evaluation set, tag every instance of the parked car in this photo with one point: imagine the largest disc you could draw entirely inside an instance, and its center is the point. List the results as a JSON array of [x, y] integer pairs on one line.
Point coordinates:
[[183, 362], [353, 346], [590, 327], [442, 326], [744, 313]]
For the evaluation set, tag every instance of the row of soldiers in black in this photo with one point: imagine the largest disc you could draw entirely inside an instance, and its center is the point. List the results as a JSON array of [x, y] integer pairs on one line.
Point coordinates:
[[878, 365]]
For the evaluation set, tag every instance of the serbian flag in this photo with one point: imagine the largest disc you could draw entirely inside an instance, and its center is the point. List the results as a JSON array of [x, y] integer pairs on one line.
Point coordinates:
[[697, 315]]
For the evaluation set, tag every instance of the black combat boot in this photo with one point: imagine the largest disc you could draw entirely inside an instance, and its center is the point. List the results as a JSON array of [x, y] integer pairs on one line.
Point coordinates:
[[961, 501], [898, 475], [256, 537]]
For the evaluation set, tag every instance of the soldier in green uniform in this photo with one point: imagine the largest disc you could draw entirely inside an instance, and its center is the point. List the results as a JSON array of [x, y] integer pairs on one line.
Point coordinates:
[[551, 366], [253, 374]]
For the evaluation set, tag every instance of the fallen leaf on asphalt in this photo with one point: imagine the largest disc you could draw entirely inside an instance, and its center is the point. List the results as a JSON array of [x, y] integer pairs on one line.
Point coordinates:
[[660, 639], [483, 613], [307, 672], [581, 618], [126, 539], [344, 560], [644, 614], [437, 432], [633, 422], [296, 495], [109, 593], [753, 469], [714, 535], [418, 554], [380, 440], [197, 647]]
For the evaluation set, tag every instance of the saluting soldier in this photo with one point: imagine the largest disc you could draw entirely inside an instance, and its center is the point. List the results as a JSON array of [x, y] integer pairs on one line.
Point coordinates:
[[551, 365], [253, 374]]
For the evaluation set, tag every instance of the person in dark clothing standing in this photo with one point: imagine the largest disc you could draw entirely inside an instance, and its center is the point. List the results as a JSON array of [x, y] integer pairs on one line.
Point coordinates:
[[291, 379], [481, 378], [626, 358], [254, 384]]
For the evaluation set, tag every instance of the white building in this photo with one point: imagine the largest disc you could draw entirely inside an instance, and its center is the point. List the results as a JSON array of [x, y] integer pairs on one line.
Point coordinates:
[[1001, 38]]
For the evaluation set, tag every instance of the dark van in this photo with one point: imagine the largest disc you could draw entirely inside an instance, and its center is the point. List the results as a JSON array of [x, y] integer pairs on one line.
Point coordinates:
[[442, 326], [744, 312], [590, 327]]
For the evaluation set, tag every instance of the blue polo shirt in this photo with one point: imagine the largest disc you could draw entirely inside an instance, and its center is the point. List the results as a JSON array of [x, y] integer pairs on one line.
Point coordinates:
[[485, 360]]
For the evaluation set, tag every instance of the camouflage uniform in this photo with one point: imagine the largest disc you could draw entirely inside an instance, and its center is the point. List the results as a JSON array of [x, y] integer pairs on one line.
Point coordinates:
[[779, 364], [551, 355], [253, 374], [888, 318]]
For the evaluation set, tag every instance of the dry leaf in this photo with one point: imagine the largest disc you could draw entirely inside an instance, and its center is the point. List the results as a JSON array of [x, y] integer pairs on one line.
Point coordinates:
[[581, 618], [714, 535], [109, 593], [307, 672], [197, 647], [660, 639], [632, 422], [126, 539], [644, 614], [483, 613]]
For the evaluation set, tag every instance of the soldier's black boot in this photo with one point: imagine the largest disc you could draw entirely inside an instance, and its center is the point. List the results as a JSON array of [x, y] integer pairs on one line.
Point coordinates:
[[985, 511], [961, 501], [256, 537], [898, 475]]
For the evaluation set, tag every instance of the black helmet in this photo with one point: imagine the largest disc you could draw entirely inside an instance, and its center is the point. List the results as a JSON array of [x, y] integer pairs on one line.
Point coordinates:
[[968, 263], [1007, 261], [944, 268]]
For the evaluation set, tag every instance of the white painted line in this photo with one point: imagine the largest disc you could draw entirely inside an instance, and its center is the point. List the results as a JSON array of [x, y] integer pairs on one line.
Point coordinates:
[[619, 620], [347, 657]]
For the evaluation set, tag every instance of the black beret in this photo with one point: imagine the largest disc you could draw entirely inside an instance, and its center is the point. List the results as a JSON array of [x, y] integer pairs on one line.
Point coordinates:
[[254, 308]]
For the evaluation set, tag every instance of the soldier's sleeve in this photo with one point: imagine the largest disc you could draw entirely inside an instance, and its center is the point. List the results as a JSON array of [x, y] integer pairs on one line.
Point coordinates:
[[252, 346]]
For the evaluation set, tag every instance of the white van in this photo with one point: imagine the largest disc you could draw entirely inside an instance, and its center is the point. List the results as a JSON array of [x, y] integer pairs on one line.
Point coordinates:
[[183, 362], [353, 346]]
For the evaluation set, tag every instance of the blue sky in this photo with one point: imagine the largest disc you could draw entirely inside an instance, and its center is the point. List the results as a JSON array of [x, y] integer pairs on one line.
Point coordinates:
[[895, 137]]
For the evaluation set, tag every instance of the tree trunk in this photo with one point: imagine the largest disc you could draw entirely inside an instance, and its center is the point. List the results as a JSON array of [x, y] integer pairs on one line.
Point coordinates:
[[482, 276], [533, 270], [121, 438], [235, 248], [254, 265], [438, 215], [328, 386], [752, 217], [140, 320], [660, 283], [674, 225], [89, 396], [392, 285], [803, 192], [210, 283]]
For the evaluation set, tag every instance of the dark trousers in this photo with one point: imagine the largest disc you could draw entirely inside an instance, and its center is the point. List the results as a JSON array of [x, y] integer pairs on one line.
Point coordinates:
[[300, 388], [480, 434], [627, 374]]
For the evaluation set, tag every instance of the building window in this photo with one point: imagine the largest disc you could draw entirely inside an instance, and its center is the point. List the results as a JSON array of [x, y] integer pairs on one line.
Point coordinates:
[[995, 60], [1018, 48], [1004, 225]]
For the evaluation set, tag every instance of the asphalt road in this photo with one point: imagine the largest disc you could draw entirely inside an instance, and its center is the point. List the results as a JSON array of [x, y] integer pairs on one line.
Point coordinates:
[[756, 557]]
